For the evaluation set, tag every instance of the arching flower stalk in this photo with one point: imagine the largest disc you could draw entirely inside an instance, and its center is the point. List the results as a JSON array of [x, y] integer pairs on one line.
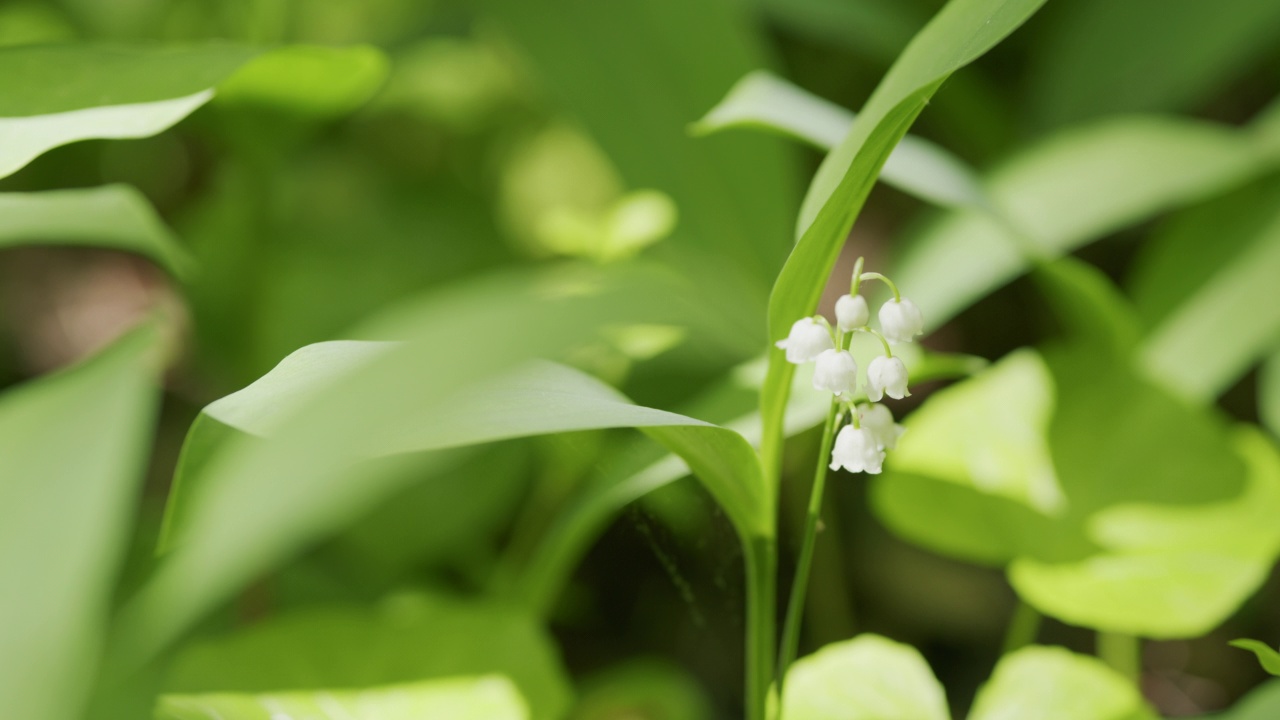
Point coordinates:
[[870, 433]]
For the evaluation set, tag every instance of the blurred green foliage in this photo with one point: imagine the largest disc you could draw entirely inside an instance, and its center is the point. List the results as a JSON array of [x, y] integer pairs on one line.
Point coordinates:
[[493, 181]]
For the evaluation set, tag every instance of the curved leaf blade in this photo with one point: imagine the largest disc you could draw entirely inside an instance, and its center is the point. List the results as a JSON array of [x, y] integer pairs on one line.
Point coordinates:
[[112, 216], [867, 678], [917, 167], [1267, 655], [1055, 684], [72, 454]]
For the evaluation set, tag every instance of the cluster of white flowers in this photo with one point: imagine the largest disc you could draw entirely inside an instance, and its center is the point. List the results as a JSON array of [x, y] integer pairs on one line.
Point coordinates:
[[860, 446]]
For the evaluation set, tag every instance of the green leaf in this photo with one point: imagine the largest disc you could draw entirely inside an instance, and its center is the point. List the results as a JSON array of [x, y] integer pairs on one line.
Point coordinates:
[[1103, 57], [960, 33], [1069, 190], [111, 216], [335, 456], [53, 79], [1261, 704], [647, 469], [52, 95], [406, 639], [72, 455], [867, 678], [1215, 335], [1166, 570], [1267, 655], [482, 698], [917, 167], [1051, 683]]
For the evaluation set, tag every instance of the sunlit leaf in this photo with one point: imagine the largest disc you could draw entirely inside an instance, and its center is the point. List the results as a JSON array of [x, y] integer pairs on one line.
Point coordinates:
[[866, 678], [72, 454], [483, 698], [406, 639], [316, 473], [917, 166], [960, 33], [1050, 683], [1267, 655], [1164, 570], [111, 216]]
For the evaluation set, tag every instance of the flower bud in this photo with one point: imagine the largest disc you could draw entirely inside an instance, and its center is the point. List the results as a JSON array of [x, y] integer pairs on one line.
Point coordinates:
[[806, 341], [836, 371], [856, 450], [886, 376], [901, 321], [851, 312], [877, 419]]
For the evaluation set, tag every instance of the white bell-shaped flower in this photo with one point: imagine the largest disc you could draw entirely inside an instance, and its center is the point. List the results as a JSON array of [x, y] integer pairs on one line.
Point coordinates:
[[836, 371], [886, 376], [879, 421], [856, 450], [852, 312], [900, 321], [807, 339]]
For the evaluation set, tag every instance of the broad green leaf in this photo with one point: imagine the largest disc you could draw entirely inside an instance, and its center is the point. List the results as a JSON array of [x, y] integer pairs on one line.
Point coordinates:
[[52, 79], [317, 472], [72, 455], [1108, 57], [1167, 570], [656, 65], [647, 469], [1051, 683], [867, 678], [1267, 655], [111, 216], [406, 639], [973, 476], [960, 33], [23, 139], [1261, 704], [917, 166], [52, 95], [1213, 337], [1066, 191], [482, 698]]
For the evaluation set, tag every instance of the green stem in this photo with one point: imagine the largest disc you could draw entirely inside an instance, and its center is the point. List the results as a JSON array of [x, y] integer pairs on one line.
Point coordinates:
[[1023, 627], [877, 276], [800, 583], [1123, 653], [762, 586], [888, 352], [856, 280]]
